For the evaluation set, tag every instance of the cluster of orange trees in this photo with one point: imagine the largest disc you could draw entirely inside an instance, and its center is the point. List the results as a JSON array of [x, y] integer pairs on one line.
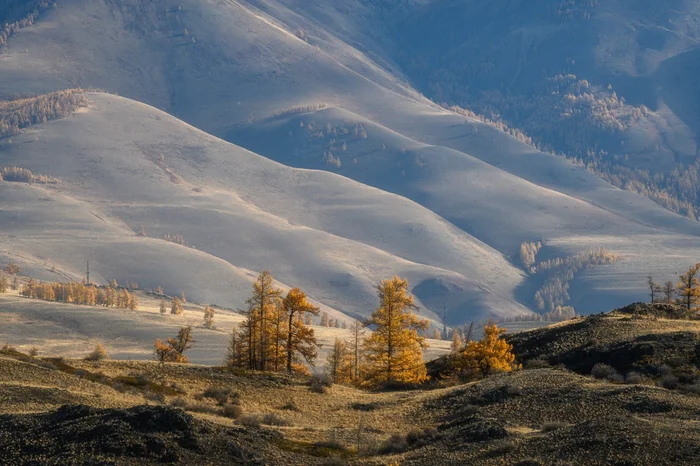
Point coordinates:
[[275, 337], [476, 359], [79, 293]]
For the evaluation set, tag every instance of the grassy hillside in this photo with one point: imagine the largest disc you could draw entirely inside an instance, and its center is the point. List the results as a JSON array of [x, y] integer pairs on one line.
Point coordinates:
[[537, 415], [115, 203]]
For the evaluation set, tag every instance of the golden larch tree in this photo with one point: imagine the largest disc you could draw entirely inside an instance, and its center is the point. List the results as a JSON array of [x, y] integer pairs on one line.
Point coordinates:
[[208, 317], [491, 354], [394, 350], [176, 307], [457, 342], [262, 309], [300, 339], [339, 362], [689, 288], [357, 332]]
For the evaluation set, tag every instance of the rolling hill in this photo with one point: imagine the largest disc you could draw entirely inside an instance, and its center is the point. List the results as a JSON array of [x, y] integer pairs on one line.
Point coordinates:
[[376, 180]]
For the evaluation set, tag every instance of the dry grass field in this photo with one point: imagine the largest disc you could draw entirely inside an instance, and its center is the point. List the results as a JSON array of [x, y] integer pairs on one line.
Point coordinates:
[[539, 415]]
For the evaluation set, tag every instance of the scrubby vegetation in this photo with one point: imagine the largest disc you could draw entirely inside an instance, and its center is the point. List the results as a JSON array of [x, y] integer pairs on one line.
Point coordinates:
[[23, 175], [98, 354], [18, 114], [301, 108], [27, 20]]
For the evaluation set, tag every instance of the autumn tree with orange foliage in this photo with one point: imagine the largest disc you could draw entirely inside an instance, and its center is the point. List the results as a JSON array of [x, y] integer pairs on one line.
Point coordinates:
[[394, 350], [481, 358], [173, 349], [689, 288], [300, 339]]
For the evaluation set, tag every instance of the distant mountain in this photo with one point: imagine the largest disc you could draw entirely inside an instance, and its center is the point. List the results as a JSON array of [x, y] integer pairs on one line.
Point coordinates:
[[609, 82], [455, 204]]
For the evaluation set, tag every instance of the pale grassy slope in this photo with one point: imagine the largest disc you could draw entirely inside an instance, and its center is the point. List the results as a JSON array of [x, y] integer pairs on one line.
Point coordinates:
[[246, 63], [331, 236]]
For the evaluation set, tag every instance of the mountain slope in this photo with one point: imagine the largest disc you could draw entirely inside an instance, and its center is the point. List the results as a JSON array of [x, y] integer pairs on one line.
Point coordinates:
[[238, 69], [126, 168]]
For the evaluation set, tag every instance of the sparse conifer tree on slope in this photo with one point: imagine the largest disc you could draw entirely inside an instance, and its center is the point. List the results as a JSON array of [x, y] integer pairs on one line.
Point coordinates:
[[654, 289], [669, 291], [357, 330], [457, 342], [262, 307], [176, 307], [208, 317]]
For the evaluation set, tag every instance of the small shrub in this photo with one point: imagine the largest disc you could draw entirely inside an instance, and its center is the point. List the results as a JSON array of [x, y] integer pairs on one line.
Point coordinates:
[[602, 371], [201, 408], [178, 388], [664, 369], [693, 389], [232, 411], [364, 406], [290, 405], [251, 420], [552, 426], [669, 381], [154, 396], [272, 419], [634, 378], [6, 348], [395, 444], [220, 394], [98, 354], [178, 403], [33, 351], [677, 361], [142, 379], [468, 410], [514, 390], [418, 437], [615, 378], [331, 444], [320, 382], [502, 449], [537, 363]]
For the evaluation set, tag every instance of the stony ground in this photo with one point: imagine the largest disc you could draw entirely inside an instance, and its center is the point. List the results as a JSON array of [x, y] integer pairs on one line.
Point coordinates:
[[57, 411]]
